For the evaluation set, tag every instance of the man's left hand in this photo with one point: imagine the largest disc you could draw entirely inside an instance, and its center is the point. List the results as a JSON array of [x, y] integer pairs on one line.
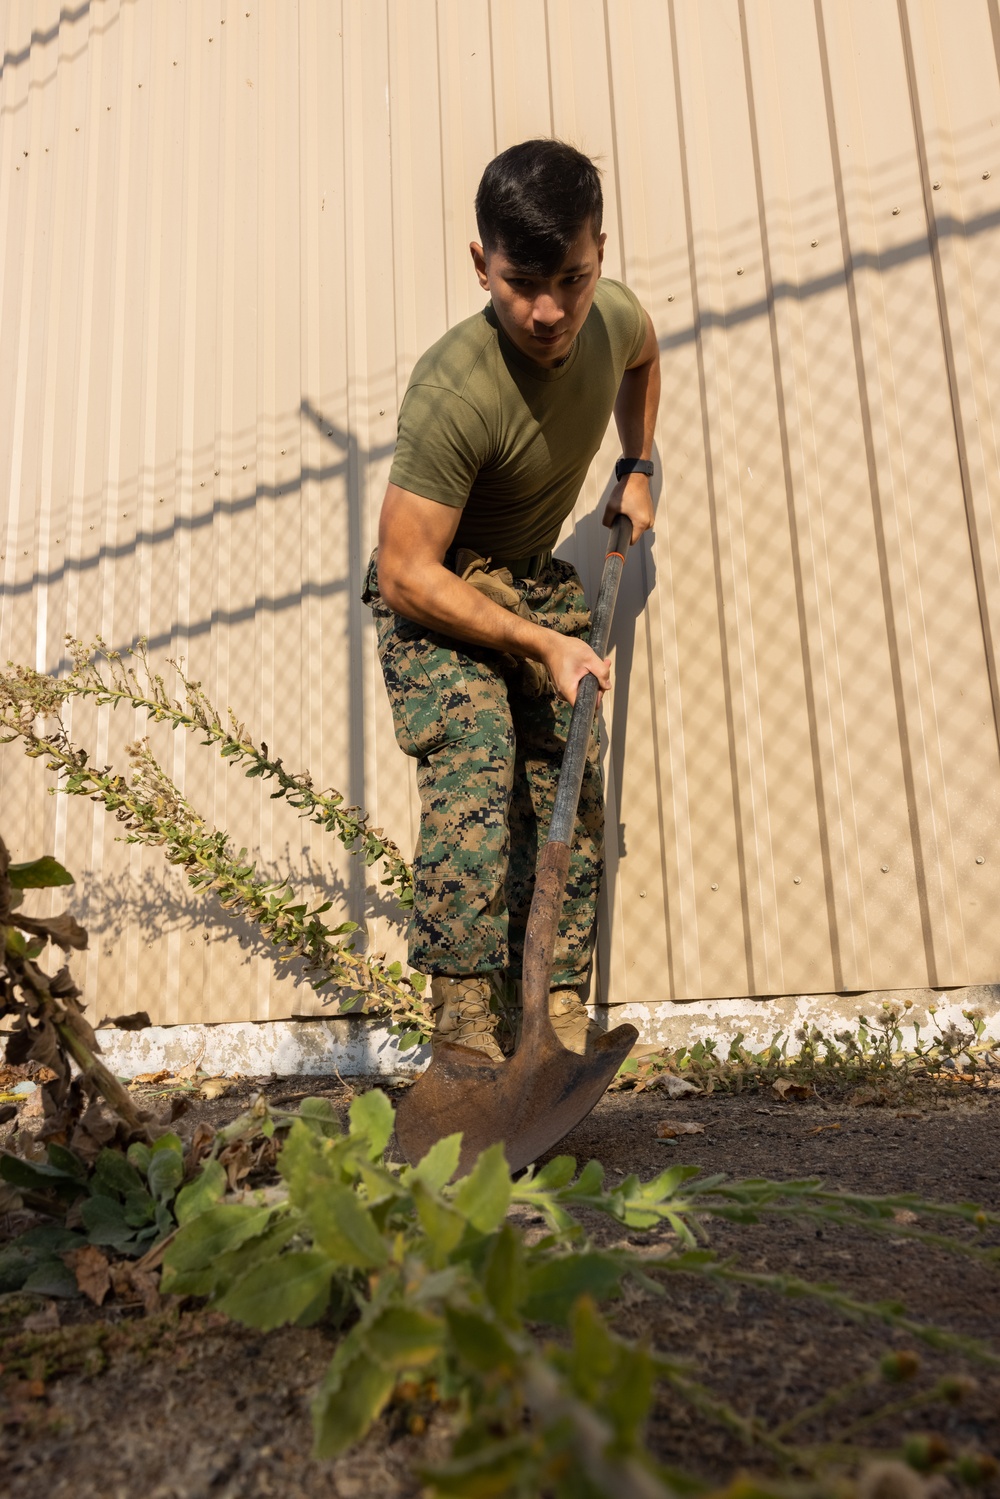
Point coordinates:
[[631, 496]]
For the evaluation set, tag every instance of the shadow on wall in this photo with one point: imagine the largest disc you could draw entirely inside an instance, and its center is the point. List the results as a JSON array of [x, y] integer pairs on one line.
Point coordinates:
[[240, 518], [51, 34], [348, 469], [162, 902]]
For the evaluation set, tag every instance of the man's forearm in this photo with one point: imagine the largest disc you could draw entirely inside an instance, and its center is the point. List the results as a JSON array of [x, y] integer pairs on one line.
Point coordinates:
[[635, 417], [435, 597], [636, 408]]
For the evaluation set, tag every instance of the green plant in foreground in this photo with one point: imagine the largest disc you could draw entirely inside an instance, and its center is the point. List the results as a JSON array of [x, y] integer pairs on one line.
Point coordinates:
[[436, 1290], [124, 1203], [438, 1294], [154, 813]]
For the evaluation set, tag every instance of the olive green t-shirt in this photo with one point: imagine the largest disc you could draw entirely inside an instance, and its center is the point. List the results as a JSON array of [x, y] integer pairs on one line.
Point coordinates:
[[485, 429]]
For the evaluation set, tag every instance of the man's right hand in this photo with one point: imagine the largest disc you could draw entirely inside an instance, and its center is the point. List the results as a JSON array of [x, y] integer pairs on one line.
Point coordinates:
[[570, 660]]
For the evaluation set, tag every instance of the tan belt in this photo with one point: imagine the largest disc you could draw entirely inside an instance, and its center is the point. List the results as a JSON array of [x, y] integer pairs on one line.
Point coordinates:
[[523, 567]]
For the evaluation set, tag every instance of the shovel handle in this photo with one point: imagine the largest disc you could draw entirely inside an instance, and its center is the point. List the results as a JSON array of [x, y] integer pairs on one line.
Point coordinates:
[[575, 757]]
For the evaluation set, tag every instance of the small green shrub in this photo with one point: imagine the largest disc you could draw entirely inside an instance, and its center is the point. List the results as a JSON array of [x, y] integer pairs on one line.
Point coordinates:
[[433, 1287]]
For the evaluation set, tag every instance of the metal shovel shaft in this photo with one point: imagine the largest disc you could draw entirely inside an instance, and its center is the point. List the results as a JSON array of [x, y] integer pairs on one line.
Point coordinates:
[[553, 866]]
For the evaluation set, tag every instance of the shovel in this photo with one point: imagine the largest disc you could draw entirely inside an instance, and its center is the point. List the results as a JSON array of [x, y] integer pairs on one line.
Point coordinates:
[[536, 1096]]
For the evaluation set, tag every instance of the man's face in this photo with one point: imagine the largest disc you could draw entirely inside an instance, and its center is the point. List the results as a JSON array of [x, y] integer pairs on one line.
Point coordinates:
[[541, 315]]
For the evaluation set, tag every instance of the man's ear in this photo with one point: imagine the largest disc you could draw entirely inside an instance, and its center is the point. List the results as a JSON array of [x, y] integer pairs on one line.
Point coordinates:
[[602, 240], [479, 261]]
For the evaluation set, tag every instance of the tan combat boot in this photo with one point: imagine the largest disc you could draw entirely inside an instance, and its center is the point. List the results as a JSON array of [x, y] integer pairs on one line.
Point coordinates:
[[462, 1013], [570, 1018], [571, 1021]]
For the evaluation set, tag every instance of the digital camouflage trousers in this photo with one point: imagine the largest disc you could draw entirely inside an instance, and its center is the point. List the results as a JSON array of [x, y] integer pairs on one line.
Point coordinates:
[[488, 754]]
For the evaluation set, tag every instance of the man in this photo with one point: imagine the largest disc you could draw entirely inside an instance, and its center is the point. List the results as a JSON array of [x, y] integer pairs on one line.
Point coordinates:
[[482, 634]]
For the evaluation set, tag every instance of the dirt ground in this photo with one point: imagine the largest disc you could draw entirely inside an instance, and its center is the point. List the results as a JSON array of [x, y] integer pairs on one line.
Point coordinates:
[[187, 1406]]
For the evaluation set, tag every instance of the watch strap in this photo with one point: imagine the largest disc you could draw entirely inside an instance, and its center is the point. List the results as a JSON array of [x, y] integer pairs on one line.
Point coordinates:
[[633, 466]]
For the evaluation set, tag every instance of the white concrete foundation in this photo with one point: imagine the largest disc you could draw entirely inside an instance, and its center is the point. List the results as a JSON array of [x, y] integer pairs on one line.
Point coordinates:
[[356, 1047], [675, 1025]]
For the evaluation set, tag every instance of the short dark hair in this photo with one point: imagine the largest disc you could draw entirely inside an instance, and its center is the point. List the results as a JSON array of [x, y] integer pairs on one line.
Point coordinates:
[[533, 201]]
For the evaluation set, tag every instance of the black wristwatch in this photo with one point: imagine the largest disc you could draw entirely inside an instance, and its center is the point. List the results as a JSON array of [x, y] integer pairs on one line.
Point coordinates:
[[633, 466]]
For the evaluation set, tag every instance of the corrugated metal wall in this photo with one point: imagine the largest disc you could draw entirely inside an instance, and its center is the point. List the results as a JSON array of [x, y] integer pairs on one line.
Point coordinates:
[[228, 230]]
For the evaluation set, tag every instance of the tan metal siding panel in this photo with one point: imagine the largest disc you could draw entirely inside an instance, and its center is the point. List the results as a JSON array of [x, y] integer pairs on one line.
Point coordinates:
[[213, 286], [667, 732], [942, 691], [954, 97], [843, 677], [750, 575]]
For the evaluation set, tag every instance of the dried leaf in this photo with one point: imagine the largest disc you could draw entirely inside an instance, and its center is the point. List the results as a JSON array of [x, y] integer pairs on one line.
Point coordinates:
[[786, 1088], [64, 1102], [214, 1087], [63, 930], [202, 1138], [36, 1043], [147, 1283], [189, 1070], [137, 1021], [132, 1284], [673, 1086], [63, 987], [266, 1158], [152, 1077], [33, 1106], [92, 1272], [821, 1127], [237, 1160], [670, 1131], [904, 1215], [95, 1130], [66, 933]]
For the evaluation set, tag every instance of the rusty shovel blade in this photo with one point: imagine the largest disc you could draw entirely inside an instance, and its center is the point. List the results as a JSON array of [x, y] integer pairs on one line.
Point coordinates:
[[534, 1098], [528, 1102]]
